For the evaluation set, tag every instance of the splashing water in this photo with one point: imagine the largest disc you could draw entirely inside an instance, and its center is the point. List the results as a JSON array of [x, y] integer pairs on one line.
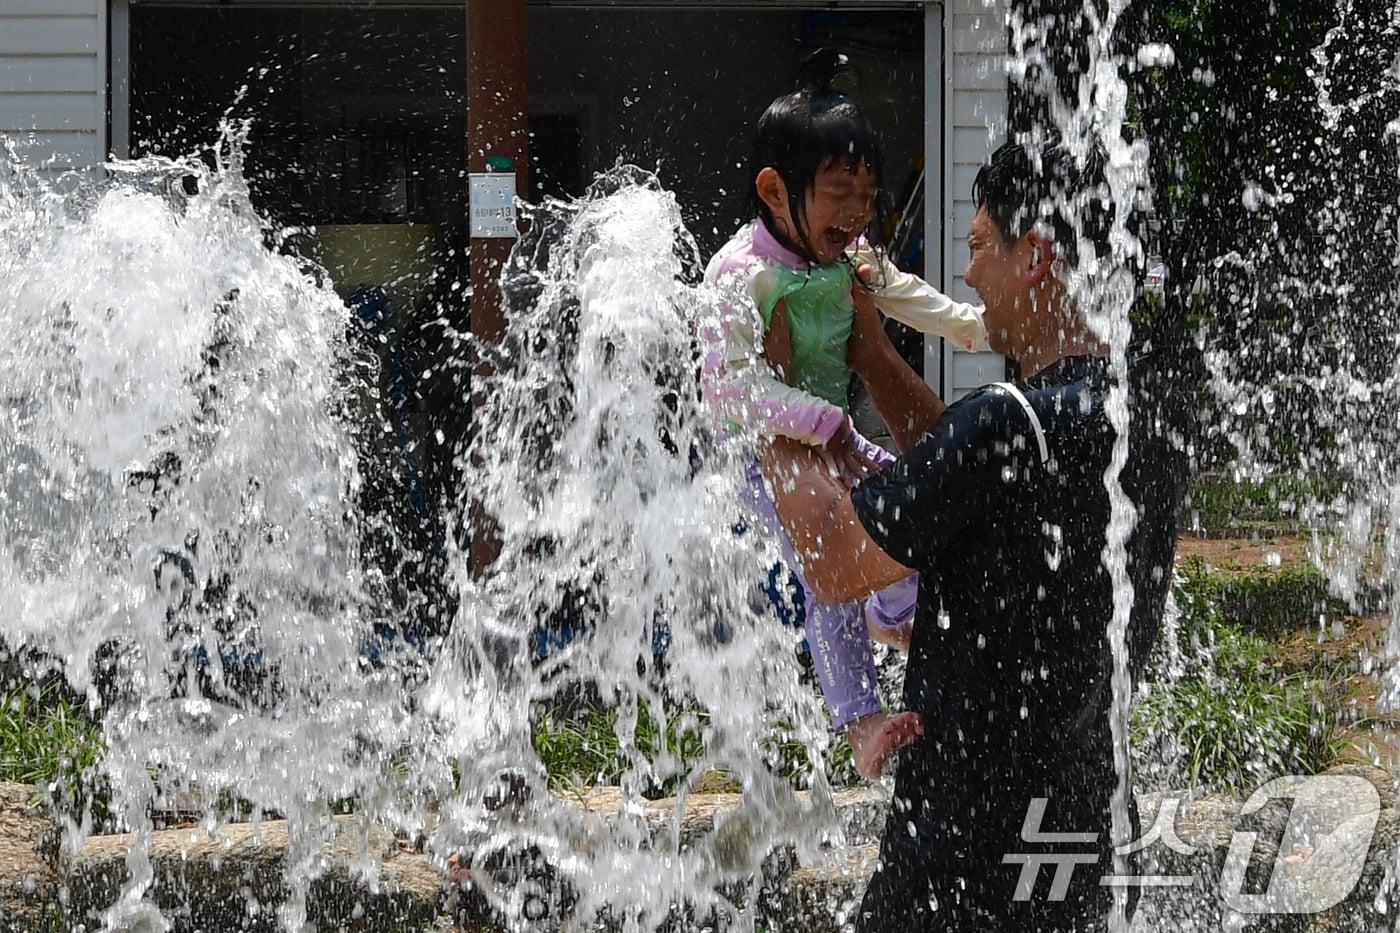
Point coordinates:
[[177, 530], [616, 505], [1309, 391], [180, 535], [1093, 118], [1315, 399]]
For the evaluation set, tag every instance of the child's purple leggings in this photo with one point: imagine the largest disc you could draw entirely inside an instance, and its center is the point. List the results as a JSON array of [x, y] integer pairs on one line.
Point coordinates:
[[836, 634]]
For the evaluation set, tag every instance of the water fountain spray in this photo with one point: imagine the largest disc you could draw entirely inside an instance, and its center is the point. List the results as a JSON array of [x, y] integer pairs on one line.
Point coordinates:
[[616, 503], [178, 531]]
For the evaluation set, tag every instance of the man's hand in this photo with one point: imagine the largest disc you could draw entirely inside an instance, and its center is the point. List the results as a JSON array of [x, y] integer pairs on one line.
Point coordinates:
[[845, 459], [868, 343], [905, 402], [875, 737]]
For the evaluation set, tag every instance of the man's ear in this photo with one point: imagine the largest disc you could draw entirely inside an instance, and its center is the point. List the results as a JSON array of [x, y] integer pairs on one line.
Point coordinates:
[[1042, 256], [771, 188]]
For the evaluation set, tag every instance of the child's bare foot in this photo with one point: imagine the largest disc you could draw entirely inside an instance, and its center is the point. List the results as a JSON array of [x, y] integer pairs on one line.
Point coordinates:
[[873, 738]]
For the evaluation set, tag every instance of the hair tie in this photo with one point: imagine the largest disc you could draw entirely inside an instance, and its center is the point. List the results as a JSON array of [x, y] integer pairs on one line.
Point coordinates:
[[821, 69]]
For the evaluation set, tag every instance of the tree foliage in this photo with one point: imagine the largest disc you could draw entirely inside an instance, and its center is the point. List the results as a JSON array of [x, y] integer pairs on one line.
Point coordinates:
[[1274, 129]]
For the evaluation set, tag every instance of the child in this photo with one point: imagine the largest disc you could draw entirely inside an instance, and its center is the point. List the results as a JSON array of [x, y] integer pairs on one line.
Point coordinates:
[[781, 368]]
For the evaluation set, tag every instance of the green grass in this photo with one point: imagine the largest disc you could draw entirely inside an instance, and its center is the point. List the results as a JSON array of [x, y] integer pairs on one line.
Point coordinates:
[[1229, 650], [45, 737], [1231, 719], [55, 919], [1233, 734], [583, 750], [1261, 600], [1278, 601], [1222, 504], [789, 757]]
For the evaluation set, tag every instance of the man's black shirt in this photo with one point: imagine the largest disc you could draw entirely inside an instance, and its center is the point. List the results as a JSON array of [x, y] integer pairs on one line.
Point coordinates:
[[1010, 663]]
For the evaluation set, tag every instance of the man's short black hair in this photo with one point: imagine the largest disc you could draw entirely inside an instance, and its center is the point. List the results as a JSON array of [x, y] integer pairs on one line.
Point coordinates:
[[1022, 185]]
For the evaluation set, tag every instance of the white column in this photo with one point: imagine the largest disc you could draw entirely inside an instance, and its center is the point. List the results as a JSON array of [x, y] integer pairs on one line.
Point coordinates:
[[119, 81], [934, 81]]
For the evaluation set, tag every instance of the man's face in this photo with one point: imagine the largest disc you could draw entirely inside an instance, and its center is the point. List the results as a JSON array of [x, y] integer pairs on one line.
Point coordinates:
[[1002, 276]]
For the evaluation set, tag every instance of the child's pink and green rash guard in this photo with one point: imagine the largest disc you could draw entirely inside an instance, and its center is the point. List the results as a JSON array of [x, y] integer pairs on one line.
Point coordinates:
[[757, 272], [753, 272]]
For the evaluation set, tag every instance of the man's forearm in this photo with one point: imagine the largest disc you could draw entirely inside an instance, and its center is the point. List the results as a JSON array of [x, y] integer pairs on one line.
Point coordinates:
[[838, 558], [907, 404]]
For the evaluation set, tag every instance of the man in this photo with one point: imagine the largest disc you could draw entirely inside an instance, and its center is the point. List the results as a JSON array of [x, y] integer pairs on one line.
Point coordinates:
[[999, 503]]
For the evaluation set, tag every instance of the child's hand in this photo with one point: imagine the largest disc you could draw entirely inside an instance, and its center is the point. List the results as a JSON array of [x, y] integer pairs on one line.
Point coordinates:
[[845, 458], [875, 737]]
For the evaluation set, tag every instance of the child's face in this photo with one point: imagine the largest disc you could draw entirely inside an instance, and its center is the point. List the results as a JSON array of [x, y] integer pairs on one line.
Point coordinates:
[[839, 206]]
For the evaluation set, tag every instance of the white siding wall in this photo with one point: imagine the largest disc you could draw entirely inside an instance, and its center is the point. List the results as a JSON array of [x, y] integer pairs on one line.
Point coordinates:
[[974, 115], [53, 86]]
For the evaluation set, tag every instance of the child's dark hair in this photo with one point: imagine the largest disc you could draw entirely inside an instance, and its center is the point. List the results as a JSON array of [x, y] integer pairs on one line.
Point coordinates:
[[803, 132]]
